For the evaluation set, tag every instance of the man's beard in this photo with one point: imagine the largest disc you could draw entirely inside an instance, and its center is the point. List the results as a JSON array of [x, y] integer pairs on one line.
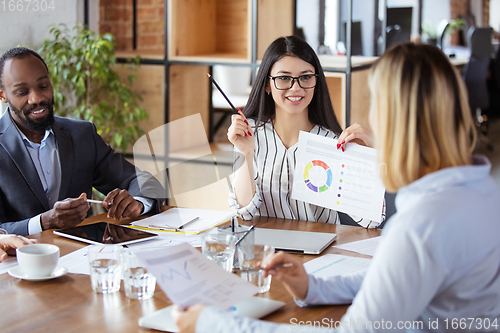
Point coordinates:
[[39, 125]]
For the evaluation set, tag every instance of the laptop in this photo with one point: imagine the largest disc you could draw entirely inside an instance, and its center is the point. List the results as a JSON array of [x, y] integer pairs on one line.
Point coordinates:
[[253, 307], [303, 242]]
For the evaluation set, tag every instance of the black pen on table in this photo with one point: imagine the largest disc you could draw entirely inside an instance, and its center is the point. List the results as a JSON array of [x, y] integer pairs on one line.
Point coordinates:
[[187, 223], [167, 227]]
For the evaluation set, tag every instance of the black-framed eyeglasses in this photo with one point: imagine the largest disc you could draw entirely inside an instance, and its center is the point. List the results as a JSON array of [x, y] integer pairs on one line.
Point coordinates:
[[285, 82]]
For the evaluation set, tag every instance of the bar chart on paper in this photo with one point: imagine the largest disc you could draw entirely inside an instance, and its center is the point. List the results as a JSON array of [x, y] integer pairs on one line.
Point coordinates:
[[344, 181]]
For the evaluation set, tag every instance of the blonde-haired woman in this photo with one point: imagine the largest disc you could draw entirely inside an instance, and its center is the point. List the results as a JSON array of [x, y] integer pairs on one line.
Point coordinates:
[[437, 267]]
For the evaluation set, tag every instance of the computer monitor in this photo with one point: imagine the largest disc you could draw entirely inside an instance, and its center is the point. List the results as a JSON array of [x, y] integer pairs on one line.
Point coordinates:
[[356, 40], [398, 28]]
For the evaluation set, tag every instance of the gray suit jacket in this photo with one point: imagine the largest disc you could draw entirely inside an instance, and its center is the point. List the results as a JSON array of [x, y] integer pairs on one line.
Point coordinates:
[[86, 162]]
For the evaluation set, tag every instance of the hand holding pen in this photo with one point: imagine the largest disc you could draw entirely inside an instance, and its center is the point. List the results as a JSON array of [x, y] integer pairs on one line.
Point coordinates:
[[291, 273], [240, 133]]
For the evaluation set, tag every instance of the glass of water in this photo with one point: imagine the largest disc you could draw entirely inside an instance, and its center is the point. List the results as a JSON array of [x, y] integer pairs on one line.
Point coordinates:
[[219, 247], [138, 282], [105, 267], [251, 258]]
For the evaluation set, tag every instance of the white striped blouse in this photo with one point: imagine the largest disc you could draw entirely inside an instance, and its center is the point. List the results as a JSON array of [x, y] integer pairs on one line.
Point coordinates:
[[274, 165]]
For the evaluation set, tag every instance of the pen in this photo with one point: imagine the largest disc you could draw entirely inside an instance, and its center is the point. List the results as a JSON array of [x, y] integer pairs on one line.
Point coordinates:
[[258, 269], [94, 201], [244, 235], [188, 222], [224, 95], [98, 202]]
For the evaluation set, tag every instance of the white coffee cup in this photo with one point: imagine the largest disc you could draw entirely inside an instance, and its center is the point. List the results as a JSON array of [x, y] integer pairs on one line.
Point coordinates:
[[37, 260]]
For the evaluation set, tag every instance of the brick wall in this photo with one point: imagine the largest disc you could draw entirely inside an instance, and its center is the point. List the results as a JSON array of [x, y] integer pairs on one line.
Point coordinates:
[[458, 8], [486, 13], [116, 17]]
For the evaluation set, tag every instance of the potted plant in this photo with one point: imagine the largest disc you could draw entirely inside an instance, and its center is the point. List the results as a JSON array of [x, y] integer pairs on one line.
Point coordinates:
[[86, 87], [430, 33]]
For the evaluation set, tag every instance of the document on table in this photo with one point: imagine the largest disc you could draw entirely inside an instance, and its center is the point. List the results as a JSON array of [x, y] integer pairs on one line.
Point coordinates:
[[7, 264], [166, 239], [175, 217], [335, 264], [188, 278], [365, 246], [347, 181], [76, 261]]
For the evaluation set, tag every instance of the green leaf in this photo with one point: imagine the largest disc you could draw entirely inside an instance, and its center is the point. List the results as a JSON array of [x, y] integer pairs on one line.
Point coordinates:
[[86, 86]]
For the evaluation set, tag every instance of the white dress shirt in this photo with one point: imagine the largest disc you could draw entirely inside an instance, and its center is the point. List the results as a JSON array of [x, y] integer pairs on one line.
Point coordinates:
[[437, 265]]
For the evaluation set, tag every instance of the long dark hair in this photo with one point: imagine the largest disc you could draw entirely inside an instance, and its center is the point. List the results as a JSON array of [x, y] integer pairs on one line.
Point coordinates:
[[261, 106]]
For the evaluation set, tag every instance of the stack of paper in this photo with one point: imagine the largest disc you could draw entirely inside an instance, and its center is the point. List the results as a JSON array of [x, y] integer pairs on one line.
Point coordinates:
[[173, 218]]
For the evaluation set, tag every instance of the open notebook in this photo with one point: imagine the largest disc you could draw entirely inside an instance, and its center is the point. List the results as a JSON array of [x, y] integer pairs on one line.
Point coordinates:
[[173, 218]]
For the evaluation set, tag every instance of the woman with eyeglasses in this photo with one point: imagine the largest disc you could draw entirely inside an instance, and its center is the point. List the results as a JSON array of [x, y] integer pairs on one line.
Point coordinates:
[[437, 267], [289, 95]]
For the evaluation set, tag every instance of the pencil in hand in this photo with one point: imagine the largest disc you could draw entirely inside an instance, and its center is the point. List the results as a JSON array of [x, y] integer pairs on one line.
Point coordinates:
[[223, 94]]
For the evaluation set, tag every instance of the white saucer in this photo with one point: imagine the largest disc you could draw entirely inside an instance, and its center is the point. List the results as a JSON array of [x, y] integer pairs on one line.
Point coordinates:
[[17, 272]]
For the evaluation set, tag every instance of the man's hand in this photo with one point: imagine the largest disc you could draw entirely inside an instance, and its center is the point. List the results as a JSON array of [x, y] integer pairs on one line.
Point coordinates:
[[66, 214], [186, 320], [8, 243], [120, 203]]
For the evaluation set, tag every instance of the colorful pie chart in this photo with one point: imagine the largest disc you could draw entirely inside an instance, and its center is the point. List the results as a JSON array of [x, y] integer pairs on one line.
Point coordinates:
[[329, 177]]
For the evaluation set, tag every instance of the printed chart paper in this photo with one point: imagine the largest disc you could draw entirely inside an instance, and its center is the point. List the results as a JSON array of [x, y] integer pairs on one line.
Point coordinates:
[[347, 181], [188, 278]]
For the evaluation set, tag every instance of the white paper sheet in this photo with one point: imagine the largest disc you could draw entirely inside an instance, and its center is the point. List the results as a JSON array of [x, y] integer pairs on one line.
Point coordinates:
[[76, 261], [7, 264], [188, 278], [335, 264], [166, 239], [365, 246], [175, 217], [347, 181]]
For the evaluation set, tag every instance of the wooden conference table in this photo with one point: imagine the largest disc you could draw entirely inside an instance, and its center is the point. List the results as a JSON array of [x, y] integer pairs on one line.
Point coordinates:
[[68, 304]]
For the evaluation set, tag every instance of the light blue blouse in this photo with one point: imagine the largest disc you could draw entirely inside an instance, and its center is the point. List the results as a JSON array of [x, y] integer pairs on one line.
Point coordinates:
[[438, 263]]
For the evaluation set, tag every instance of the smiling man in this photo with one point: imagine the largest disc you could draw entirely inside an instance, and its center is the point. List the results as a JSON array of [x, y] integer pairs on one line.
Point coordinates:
[[48, 164]]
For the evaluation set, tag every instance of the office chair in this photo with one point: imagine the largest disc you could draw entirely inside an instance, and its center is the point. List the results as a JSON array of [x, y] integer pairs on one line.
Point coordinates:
[[390, 209], [475, 75], [235, 82]]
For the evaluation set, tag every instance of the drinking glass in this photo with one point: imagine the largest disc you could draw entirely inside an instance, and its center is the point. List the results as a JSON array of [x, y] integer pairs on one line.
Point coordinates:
[[219, 247], [239, 232], [105, 267], [137, 281], [255, 257]]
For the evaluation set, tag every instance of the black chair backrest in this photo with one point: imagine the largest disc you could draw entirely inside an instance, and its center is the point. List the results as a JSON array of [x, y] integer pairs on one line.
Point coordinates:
[[390, 209], [480, 42], [475, 75]]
